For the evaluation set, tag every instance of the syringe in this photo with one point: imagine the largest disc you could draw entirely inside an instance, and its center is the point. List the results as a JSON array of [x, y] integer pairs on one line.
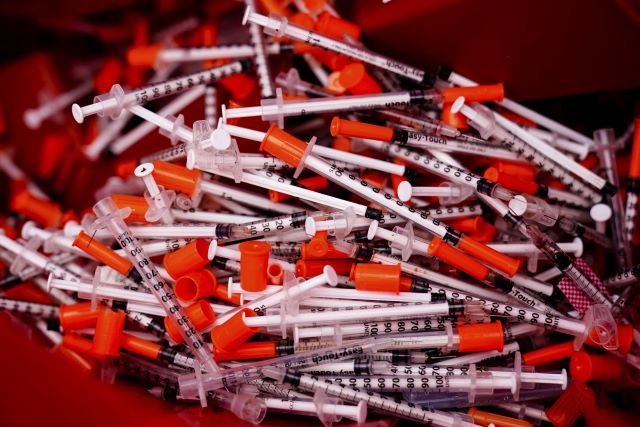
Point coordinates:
[[44, 311], [374, 400], [279, 27], [265, 79], [295, 152], [604, 140], [633, 188], [116, 100], [108, 216], [549, 248], [485, 121], [277, 109], [578, 229]]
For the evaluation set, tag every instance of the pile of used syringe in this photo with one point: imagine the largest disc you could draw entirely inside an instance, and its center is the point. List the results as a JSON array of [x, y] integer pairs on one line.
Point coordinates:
[[348, 237]]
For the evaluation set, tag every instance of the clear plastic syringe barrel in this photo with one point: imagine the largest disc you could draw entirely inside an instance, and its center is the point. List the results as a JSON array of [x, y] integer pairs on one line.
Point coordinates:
[[604, 141], [245, 406], [107, 215], [577, 229]]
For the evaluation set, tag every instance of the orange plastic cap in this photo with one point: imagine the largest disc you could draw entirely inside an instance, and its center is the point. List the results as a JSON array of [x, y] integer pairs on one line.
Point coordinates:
[[634, 165], [140, 346], [46, 213], [248, 350], [550, 353], [188, 258], [222, 293], [306, 268], [176, 177], [468, 225], [102, 253], [335, 27], [195, 285], [239, 85], [355, 79], [78, 316], [303, 20], [487, 418], [334, 62], [592, 367], [108, 333], [283, 145], [457, 259], [570, 405], [77, 343], [519, 169], [229, 335], [481, 337], [316, 247], [201, 315], [457, 120], [275, 273], [137, 204], [502, 262], [144, 56], [511, 182], [474, 93], [376, 277], [360, 130], [254, 261], [108, 75], [125, 168]]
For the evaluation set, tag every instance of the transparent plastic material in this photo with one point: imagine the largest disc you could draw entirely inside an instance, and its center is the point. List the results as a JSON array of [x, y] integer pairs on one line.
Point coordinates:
[[109, 216], [601, 328], [338, 224], [535, 209]]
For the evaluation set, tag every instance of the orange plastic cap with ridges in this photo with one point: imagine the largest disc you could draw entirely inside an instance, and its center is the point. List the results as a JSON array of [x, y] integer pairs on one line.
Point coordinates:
[[77, 343], [283, 145], [448, 117], [314, 183], [457, 259], [188, 258], [45, 212], [108, 333], [335, 27], [376, 277], [355, 79], [488, 418], [481, 337], [634, 165], [306, 268], [360, 130], [275, 273], [201, 315], [316, 247], [229, 335], [254, 261], [144, 56], [502, 262], [140, 346], [570, 405], [195, 285], [511, 182], [481, 93], [593, 367], [137, 204], [175, 177], [102, 253], [78, 316], [550, 353], [248, 350]]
